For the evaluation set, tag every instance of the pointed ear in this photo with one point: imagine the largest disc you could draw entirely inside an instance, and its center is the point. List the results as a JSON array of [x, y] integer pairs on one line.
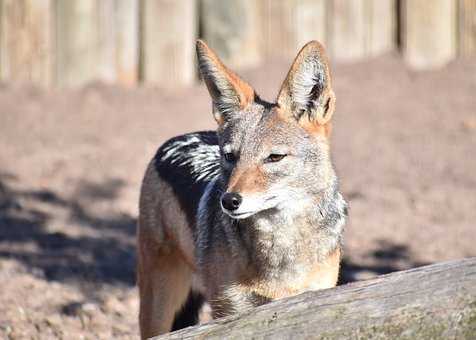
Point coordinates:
[[229, 93], [306, 93]]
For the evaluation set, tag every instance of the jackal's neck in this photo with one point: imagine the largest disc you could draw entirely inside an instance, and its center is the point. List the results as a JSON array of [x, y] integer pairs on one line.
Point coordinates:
[[277, 243]]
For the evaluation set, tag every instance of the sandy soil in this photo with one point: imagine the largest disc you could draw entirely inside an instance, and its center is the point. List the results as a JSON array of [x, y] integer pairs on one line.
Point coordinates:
[[71, 162]]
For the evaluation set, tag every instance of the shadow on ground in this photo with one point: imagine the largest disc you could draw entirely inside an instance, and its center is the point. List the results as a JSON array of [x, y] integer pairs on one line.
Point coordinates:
[[108, 256], [100, 251], [387, 258]]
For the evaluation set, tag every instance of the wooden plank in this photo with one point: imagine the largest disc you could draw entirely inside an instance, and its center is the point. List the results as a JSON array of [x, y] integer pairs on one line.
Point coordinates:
[[381, 22], [118, 45], [310, 22], [77, 36], [278, 28], [169, 32], [429, 32], [289, 24], [233, 29], [347, 29], [97, 40], [431, 302], [127, 41], [467, 28], [26, 41], [106, 44]]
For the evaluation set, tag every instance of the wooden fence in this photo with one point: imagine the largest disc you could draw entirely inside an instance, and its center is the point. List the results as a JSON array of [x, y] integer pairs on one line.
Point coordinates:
[[72, 42]]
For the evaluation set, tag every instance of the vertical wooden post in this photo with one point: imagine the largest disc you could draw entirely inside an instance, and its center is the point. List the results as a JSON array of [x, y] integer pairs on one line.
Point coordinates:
[[289, 24], [26, 41], [278, 28], [347, 29], [169, 32], [106, 41], [77, 42], [126, 21], [118, 41], [97, 40], [429, 32], [467, 28], [310, 22], [381, 21], [233, 29]]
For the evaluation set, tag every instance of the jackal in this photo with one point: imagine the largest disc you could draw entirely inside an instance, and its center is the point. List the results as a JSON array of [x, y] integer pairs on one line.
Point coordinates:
[[246, 214]]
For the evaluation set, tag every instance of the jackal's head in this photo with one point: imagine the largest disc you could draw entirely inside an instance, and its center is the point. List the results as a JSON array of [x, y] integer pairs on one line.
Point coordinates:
[[275, 156]]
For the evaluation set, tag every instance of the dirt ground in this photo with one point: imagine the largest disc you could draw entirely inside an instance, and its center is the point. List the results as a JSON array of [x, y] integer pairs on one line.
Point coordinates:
[[71, 163]]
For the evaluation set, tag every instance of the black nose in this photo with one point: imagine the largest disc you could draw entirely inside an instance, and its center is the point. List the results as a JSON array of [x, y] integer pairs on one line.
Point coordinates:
[[231, 201]]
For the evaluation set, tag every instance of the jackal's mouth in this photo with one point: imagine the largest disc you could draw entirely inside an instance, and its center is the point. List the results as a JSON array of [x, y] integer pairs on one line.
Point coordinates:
[[240, 215], [251, 206]]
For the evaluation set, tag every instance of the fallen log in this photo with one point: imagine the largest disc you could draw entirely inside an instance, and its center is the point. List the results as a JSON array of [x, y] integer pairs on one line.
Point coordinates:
[[431, 302]]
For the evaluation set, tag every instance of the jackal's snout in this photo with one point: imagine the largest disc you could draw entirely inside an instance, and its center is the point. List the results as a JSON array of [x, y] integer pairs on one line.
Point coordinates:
[[231, 201], [243, 205]]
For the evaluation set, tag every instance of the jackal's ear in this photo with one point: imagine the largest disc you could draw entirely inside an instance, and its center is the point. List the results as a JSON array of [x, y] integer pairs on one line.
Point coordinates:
[[306, 92], [229, 93]]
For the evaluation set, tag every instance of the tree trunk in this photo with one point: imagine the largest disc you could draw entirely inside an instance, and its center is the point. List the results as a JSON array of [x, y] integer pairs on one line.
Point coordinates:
[[431, 302]]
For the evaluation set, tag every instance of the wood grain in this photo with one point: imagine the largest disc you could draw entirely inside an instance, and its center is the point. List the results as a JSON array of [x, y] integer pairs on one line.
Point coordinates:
[[288, 25], [431, 302], [169, 31], [26, 41], [467, 28], [428, 32], [233, 29]]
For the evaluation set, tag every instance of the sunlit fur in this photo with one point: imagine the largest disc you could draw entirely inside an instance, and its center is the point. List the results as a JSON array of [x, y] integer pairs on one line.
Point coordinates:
[[284, 238]]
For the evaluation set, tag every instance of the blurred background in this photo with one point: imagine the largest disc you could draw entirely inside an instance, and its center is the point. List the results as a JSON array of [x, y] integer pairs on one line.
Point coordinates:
[[90, 88]]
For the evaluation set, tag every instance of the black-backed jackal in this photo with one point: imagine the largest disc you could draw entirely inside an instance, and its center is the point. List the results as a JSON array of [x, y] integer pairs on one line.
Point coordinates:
[[246, 214]]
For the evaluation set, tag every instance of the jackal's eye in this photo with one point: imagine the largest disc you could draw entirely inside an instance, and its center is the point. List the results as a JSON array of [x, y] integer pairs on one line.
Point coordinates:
[[230, 157], [274, 157]]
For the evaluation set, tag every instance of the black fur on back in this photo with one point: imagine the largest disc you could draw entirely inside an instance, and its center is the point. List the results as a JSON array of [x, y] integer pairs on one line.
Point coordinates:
[[188, 163], [188, 314]]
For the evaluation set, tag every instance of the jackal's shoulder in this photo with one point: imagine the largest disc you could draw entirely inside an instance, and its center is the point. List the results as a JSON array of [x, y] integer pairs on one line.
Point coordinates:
[[187, 163], [195, 155]]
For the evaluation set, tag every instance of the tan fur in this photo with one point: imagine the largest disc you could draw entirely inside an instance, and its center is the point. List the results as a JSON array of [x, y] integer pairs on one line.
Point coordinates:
[[164, 282], [322, 276], [165, 256], [244, 91], [284, 98], [247, 181], [168, 264], [323, 130]]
